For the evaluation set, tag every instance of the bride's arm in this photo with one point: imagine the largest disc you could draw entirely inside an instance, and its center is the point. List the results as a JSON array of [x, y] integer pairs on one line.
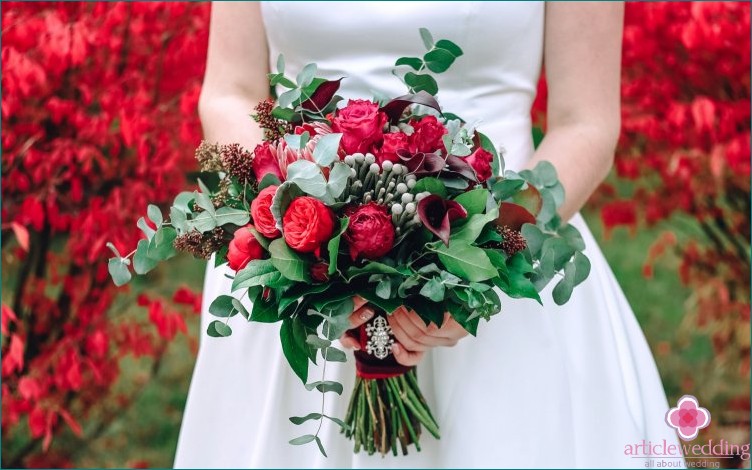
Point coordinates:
[[582, 61], [235, 79]]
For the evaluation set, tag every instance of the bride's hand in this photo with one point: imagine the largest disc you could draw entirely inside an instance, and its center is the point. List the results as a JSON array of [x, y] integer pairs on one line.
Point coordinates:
[[413, 337]]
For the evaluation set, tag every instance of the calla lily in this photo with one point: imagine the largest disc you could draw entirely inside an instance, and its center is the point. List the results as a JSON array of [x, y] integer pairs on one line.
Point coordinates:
[[421, 163], [437, 214]]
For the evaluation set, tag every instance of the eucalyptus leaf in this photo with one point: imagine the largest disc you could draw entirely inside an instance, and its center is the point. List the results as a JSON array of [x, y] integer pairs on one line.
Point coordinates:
[[326, 151], [118, 269], [421, 82], [287, 98], [414, 62], [218, 329], [303, 440], [306, 75], [325, 386], [338, 178], [142, 264], [230, 215], [333, 354], [223, 307], [148, 231], [425, 35], [297, 420], [178, 219]]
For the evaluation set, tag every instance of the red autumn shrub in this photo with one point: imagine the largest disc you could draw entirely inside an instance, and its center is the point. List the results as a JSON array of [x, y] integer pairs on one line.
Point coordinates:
[[98, 117]]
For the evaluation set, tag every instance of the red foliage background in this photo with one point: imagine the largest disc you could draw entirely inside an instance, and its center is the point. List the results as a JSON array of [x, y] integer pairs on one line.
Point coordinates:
[[99, 118]]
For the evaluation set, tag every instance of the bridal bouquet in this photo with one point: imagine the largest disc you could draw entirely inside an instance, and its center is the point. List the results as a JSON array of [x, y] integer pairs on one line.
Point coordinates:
[[393, 200]]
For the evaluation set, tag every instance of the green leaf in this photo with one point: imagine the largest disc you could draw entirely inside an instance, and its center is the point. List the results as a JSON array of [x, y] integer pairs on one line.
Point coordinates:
[[425, 35], [433, 289], [534, 238], [413, 62], [119, 271], [471, 229], [338, 422], [154, 214], [142, 264], [537, 136], [308, 177], [438, 60], [563, 289], [238, 305], [506, 188], [318, 343], [204, 201], [288, 97], [321, 446], [258, 272], [223, 307], [326, 149], [333, 245], [295, 352], [332, 354], [218, 329], [520, 285], [264, 311], [421, 82], [288, 262], [178, 219], [161, 247], [373, 267], [297, 420], [582, 268], [305, 77], [263, 241], [384, 288], [325, 386], [429, 312], [432, 185], [230, 215], [338, 178], [303, 440], [284, 195], [269, 179], [473, 201], [449, 46], [144, 227], [466, 261]]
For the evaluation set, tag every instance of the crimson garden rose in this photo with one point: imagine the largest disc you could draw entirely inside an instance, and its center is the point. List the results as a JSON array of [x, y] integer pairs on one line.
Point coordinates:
[[393, 143], [243, 248], [480, 160], [307, 224], [262, 214], [370, 233], [427, 135], [361, 124]]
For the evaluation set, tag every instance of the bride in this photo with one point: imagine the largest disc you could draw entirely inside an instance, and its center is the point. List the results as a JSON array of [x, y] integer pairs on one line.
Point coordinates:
[[567, 386]]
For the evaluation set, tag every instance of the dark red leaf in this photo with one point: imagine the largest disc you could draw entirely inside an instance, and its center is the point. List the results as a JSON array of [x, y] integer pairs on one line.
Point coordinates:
[[514, 216], [394, 108], [322, 96]]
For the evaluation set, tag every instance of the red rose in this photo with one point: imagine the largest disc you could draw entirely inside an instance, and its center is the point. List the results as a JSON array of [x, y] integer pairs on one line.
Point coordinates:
[[427, 135], [361, 124], [265, 161], [262, 214], [307, 224], [392, 143], [370, 234], [243, 249], [480, 160]]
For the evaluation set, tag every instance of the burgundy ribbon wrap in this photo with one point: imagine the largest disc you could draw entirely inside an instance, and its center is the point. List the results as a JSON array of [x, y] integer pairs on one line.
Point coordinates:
[[368, 366]]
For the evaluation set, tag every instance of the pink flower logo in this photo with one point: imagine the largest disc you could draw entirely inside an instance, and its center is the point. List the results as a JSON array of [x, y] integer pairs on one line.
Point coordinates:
[[688, 417]]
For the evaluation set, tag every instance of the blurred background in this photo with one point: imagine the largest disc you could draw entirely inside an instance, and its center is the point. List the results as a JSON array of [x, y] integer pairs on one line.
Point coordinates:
[[99, 118]]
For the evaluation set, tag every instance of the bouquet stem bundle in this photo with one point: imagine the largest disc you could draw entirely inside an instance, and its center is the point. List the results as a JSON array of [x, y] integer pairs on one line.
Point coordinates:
[[387, 409]]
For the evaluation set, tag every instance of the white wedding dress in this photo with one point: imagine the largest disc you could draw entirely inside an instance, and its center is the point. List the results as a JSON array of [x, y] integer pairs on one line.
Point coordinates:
[[540, 386]]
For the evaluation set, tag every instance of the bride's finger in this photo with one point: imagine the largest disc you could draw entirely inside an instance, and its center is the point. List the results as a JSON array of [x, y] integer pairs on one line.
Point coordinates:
[[405, 357], [349, 342], [361, 315], [358, 302]]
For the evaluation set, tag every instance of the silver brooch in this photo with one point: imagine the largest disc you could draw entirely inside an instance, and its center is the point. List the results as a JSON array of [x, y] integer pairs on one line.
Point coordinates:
[[379, 341]]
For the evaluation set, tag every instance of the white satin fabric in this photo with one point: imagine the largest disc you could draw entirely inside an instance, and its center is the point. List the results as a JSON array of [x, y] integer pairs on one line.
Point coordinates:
[[540, 386]]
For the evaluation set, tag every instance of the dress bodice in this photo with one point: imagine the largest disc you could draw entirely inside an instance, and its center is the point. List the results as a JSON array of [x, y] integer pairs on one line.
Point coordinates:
[[493, 83]]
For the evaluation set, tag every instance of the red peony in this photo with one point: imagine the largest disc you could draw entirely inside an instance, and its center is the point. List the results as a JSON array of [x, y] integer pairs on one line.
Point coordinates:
[[427, 135], [307, 224], [265, 162], [361, 124], [262, 214], [392, 144], [243, 249], [480, 160], [370, 234]]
